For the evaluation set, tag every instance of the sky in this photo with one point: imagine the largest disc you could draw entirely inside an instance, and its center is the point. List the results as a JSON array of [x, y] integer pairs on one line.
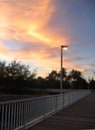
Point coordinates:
[[32, 31]]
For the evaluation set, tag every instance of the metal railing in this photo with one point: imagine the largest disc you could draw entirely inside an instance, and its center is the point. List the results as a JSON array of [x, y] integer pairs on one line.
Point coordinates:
[[20, 114]]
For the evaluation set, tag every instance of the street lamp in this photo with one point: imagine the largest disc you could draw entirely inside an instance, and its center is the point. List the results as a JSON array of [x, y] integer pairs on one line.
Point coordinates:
[[61, 82]]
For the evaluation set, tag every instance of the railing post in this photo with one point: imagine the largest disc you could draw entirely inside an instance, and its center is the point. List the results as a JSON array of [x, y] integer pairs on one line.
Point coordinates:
[[44, 107], [56, 102], [23, 115]]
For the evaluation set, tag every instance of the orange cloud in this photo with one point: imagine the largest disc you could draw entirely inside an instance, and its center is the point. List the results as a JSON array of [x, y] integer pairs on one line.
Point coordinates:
[[90, 66], [26, 23], [20, 18], [4, 50], [27, 20]]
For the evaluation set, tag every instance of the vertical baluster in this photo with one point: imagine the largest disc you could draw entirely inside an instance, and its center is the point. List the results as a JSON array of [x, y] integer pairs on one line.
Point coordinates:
[[29, 113], [30, 110], [22, 115], [26, 111], [19, 114], [14, 118], [8, 117], [11, 117], [2, 119]]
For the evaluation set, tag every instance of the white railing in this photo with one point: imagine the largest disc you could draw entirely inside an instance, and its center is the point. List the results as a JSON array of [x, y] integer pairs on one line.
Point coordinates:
[[20, 114]]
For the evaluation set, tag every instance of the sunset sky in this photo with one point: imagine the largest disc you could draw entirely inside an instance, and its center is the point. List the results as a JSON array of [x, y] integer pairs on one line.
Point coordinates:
[[32, 31]]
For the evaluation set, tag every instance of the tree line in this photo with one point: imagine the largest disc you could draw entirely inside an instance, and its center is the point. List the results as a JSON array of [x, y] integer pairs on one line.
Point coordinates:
[[17, 78]]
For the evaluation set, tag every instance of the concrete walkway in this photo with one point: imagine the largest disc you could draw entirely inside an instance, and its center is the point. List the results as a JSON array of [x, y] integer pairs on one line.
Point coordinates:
[[80, 115]]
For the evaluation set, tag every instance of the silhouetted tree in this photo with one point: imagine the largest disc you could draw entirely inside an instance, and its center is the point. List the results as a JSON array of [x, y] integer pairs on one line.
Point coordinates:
[[52, 80], [64, 76], [92, 84], [76, 80], [3, 72], [14, 77], [40, 82]]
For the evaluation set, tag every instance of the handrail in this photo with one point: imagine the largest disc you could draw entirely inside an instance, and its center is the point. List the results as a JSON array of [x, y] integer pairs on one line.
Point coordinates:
[[18, 114]]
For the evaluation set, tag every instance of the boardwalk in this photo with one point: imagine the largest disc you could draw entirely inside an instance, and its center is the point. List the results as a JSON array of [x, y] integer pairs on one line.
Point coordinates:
[[80, 115]]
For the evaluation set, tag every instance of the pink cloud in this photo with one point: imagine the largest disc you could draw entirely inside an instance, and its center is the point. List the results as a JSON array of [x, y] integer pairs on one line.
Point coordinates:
[[27, 23]]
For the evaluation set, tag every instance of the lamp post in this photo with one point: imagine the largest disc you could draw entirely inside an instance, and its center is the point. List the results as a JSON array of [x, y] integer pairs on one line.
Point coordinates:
[[61, 78]]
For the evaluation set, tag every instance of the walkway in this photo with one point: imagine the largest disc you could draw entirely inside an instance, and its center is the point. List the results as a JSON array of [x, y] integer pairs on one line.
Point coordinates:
[[80, 115]]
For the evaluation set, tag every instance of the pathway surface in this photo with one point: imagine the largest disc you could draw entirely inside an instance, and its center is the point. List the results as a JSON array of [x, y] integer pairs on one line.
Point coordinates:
[[79, 116]]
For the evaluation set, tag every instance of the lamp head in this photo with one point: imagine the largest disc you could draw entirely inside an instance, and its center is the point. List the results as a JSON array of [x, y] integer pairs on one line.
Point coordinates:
[[64, 47]]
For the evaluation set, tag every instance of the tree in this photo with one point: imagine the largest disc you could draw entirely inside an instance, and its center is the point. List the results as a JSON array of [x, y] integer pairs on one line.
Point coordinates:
[[64, 78], [15, 76], [76, 80], [64, 74], [92, 84], [3, 72], [18, 71], [52, 80], [53, 75]]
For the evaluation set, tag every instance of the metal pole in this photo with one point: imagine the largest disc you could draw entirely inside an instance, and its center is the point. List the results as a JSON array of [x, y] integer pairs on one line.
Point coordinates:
[[61, 79]]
